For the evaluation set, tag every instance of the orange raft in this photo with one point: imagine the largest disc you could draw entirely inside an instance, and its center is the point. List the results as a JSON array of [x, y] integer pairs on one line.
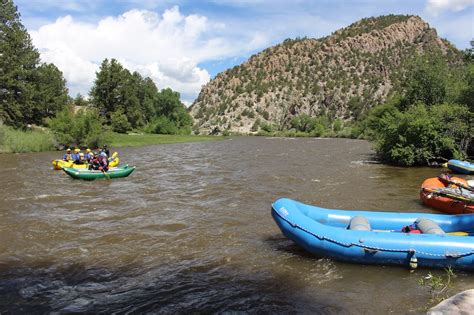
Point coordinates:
[[445, 195]]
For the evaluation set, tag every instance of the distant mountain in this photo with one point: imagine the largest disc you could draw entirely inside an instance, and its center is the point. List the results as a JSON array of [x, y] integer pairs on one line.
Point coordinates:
[[342, 75]]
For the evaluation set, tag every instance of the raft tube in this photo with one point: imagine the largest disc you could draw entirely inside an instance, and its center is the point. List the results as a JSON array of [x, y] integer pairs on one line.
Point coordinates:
[[461, 167], [324, 232], [114, 161], [116, 172]]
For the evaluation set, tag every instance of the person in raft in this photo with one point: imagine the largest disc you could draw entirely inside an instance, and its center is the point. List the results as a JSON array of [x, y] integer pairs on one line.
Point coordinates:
[[105, 149], [67, 156], [82, 159], [104, 162], [75, 155], [89, 155], [94, 164]]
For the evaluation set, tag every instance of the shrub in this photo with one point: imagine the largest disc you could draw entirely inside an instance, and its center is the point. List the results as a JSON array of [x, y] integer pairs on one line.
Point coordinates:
[[83, 129], [337, 125], [255, 125], [162, 125], [318, 130], [422, 134], [267, 127]]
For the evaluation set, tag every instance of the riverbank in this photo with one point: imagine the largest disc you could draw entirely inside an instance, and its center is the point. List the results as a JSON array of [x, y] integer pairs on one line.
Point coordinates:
[[18, 141], [38, 140], [138, 140]]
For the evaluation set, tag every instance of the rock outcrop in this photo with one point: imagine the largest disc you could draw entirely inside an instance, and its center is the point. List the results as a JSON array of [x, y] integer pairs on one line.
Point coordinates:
[[341, 76]]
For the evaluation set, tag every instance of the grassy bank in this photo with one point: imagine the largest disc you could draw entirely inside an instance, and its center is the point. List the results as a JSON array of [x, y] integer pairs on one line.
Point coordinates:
[[135, 140], [16, 141]]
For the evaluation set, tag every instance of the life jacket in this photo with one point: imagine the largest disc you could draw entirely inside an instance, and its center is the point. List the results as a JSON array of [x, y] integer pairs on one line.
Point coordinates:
[[67, 157], [103, 161], [412, 229]]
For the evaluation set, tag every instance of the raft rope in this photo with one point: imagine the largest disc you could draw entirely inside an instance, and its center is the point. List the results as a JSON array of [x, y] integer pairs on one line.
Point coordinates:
[[375, 248]]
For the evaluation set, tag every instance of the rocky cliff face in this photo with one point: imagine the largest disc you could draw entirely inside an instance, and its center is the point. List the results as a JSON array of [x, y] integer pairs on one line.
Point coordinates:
[[342, 76]]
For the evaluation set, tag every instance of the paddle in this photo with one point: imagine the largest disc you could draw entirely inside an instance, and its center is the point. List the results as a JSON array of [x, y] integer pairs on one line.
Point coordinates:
[[447, 179], [440, 192], [458, 233], [107, 176]]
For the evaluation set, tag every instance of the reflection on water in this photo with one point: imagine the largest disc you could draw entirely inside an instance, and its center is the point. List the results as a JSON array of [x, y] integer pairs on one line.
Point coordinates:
[[191, 230]]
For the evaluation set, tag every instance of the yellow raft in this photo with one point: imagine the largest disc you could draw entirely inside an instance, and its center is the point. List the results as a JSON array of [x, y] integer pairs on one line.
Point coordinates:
[[59, 164]]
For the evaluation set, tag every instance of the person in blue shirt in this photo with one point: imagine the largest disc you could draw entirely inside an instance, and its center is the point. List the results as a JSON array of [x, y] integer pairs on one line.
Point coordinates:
[[89, 155], [67, 156], [75, 156]]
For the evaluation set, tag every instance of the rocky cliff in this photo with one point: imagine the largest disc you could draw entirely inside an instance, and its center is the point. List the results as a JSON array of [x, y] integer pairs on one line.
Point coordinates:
[[341, 76]]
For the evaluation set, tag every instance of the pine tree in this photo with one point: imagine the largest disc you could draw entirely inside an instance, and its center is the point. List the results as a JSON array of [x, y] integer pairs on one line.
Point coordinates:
[[106, 93], [51, 94], [18, 61], [29, 91]]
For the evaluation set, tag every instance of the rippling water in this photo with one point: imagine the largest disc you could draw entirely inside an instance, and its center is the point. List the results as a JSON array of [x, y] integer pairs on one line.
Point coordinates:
[[190, 231]]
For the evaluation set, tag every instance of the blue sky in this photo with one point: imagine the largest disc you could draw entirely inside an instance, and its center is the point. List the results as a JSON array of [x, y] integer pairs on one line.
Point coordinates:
[[183, 44]]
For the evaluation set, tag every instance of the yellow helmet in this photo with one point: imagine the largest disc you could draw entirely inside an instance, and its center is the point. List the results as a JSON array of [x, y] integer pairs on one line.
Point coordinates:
[[88, 150], [77, 150]]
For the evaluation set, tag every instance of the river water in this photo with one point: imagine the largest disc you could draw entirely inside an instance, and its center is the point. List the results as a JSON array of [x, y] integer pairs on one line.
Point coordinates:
[[191, 231]]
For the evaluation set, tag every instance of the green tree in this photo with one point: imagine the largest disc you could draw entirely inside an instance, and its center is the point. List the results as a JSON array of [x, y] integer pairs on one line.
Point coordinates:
[[18, 62], [427, 81], [168, 104], [120, 122], [51, 93], [467, 93], [422, 134], [147, 95], [79, 100], [117, 90], [107, 92], [130, 94]]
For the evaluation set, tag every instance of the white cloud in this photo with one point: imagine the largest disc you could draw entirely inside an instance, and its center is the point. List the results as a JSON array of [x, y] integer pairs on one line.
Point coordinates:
[[166, 47], [435, 7]]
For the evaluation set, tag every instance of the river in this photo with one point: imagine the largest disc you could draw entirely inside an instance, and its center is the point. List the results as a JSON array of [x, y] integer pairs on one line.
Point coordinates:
[[191, 231]]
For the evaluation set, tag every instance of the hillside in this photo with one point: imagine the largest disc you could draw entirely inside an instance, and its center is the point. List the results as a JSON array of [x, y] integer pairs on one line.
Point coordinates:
[[341, 76]]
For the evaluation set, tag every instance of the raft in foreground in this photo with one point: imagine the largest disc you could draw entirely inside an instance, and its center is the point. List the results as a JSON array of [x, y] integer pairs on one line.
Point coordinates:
[[375, 237], [115, 172]]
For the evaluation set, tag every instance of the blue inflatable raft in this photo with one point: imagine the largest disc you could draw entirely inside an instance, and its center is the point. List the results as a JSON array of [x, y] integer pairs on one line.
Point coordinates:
[[427, 240], [461, 167]]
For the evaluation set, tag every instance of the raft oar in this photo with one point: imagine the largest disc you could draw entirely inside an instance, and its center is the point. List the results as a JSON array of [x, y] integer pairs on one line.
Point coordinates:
[[459, 197], [448, 180], [107, 176], [458, 233]]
